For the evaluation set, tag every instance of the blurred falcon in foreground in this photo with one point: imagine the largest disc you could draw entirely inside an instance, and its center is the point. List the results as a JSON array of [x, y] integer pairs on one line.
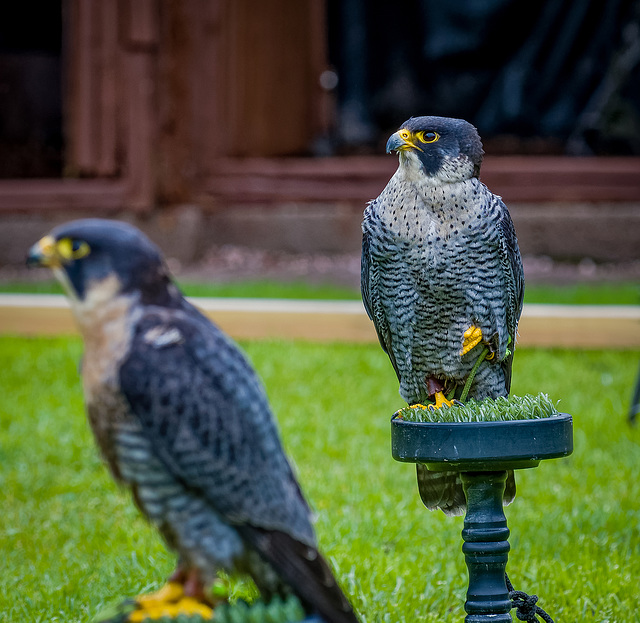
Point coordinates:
[[442, 279], [182, 420]]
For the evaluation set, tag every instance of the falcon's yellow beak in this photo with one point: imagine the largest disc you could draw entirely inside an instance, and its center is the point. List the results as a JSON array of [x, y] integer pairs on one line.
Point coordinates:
[[400, 141], [44, 253]]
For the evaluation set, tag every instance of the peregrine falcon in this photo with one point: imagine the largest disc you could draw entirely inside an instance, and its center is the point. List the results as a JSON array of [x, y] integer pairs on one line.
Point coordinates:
[[442, 278], [182, 420]]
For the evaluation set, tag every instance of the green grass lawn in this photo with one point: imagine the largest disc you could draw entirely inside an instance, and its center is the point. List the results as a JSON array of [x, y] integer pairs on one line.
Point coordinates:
[[263, 288], [606, 293], [71, 542]]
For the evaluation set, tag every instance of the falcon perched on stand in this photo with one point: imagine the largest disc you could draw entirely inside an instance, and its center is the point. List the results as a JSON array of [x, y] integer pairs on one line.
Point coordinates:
[[183, 422], [442, 279]]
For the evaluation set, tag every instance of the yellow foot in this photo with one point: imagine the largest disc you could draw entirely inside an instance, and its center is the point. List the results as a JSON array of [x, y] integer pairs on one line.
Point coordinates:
[[170, 592], [471, 337], [417, 406], [185, 606], [168, 601], [441, 401]]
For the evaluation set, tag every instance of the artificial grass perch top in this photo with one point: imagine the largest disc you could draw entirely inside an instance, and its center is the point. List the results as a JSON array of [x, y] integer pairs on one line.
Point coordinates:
[[500, 409]]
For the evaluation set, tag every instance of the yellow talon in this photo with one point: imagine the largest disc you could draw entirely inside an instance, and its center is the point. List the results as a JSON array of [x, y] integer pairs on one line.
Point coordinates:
[[471, 338]]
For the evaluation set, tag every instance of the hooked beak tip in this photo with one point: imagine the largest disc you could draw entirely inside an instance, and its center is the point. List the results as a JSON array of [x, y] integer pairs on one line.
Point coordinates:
[[394, 143], [400, 141]]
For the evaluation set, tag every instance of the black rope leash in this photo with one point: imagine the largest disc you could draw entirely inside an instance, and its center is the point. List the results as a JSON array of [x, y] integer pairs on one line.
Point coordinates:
[[525, 605]]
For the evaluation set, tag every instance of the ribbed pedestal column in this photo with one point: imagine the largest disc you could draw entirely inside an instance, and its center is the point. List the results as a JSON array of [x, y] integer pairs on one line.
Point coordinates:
[[486, 548]]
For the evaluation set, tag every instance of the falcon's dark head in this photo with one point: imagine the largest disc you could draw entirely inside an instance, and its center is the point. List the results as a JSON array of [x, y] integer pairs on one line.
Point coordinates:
[[444, 148], [91, 254]]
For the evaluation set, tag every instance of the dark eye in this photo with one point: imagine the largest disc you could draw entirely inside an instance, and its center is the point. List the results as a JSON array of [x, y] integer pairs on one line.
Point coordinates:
[[428, 136]]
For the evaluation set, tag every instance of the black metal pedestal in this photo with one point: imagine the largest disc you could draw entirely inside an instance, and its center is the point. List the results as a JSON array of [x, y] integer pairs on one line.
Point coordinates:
[[483, 452], [486, 547]]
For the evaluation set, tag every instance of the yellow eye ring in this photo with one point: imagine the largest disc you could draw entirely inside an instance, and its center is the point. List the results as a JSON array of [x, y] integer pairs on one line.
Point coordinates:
[[72, 249], [427, 136]]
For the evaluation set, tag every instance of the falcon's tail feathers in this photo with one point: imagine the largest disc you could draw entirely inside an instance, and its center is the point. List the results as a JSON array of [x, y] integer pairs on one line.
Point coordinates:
[[305, 570], [444, 490]]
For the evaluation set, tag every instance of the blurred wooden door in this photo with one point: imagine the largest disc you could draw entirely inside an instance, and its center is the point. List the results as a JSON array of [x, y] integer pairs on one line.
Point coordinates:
[[273, 57]]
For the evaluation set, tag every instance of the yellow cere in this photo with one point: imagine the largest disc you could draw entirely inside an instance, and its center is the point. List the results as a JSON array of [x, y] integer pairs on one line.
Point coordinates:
[[46, 252], [411, 140], [47, 246]]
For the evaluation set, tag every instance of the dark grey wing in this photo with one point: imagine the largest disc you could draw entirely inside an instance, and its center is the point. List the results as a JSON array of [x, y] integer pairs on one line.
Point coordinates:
[[514, 274], [207, 418], [371, 299], [305, 570], [365, 275]]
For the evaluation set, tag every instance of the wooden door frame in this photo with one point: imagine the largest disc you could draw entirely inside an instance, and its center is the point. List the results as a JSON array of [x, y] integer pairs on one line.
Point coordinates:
[[109, 113]]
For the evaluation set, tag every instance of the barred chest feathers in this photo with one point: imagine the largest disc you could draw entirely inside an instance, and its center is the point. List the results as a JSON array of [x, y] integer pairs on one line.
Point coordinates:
[[412, 213], [435, 251]]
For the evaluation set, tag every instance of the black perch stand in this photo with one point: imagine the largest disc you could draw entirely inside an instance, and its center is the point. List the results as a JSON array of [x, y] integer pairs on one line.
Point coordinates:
[[483, 452]]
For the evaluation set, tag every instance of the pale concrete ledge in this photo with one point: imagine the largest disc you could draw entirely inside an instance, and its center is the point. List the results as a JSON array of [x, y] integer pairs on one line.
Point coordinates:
[[583, 326]]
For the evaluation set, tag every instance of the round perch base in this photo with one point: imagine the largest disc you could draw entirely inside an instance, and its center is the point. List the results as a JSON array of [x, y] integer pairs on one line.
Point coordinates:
[[483, 452], [481, 446]]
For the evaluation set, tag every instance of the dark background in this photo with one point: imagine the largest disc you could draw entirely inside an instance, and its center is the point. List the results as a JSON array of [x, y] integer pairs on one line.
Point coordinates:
[[556, 76], [31, 126], [552, 77]]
